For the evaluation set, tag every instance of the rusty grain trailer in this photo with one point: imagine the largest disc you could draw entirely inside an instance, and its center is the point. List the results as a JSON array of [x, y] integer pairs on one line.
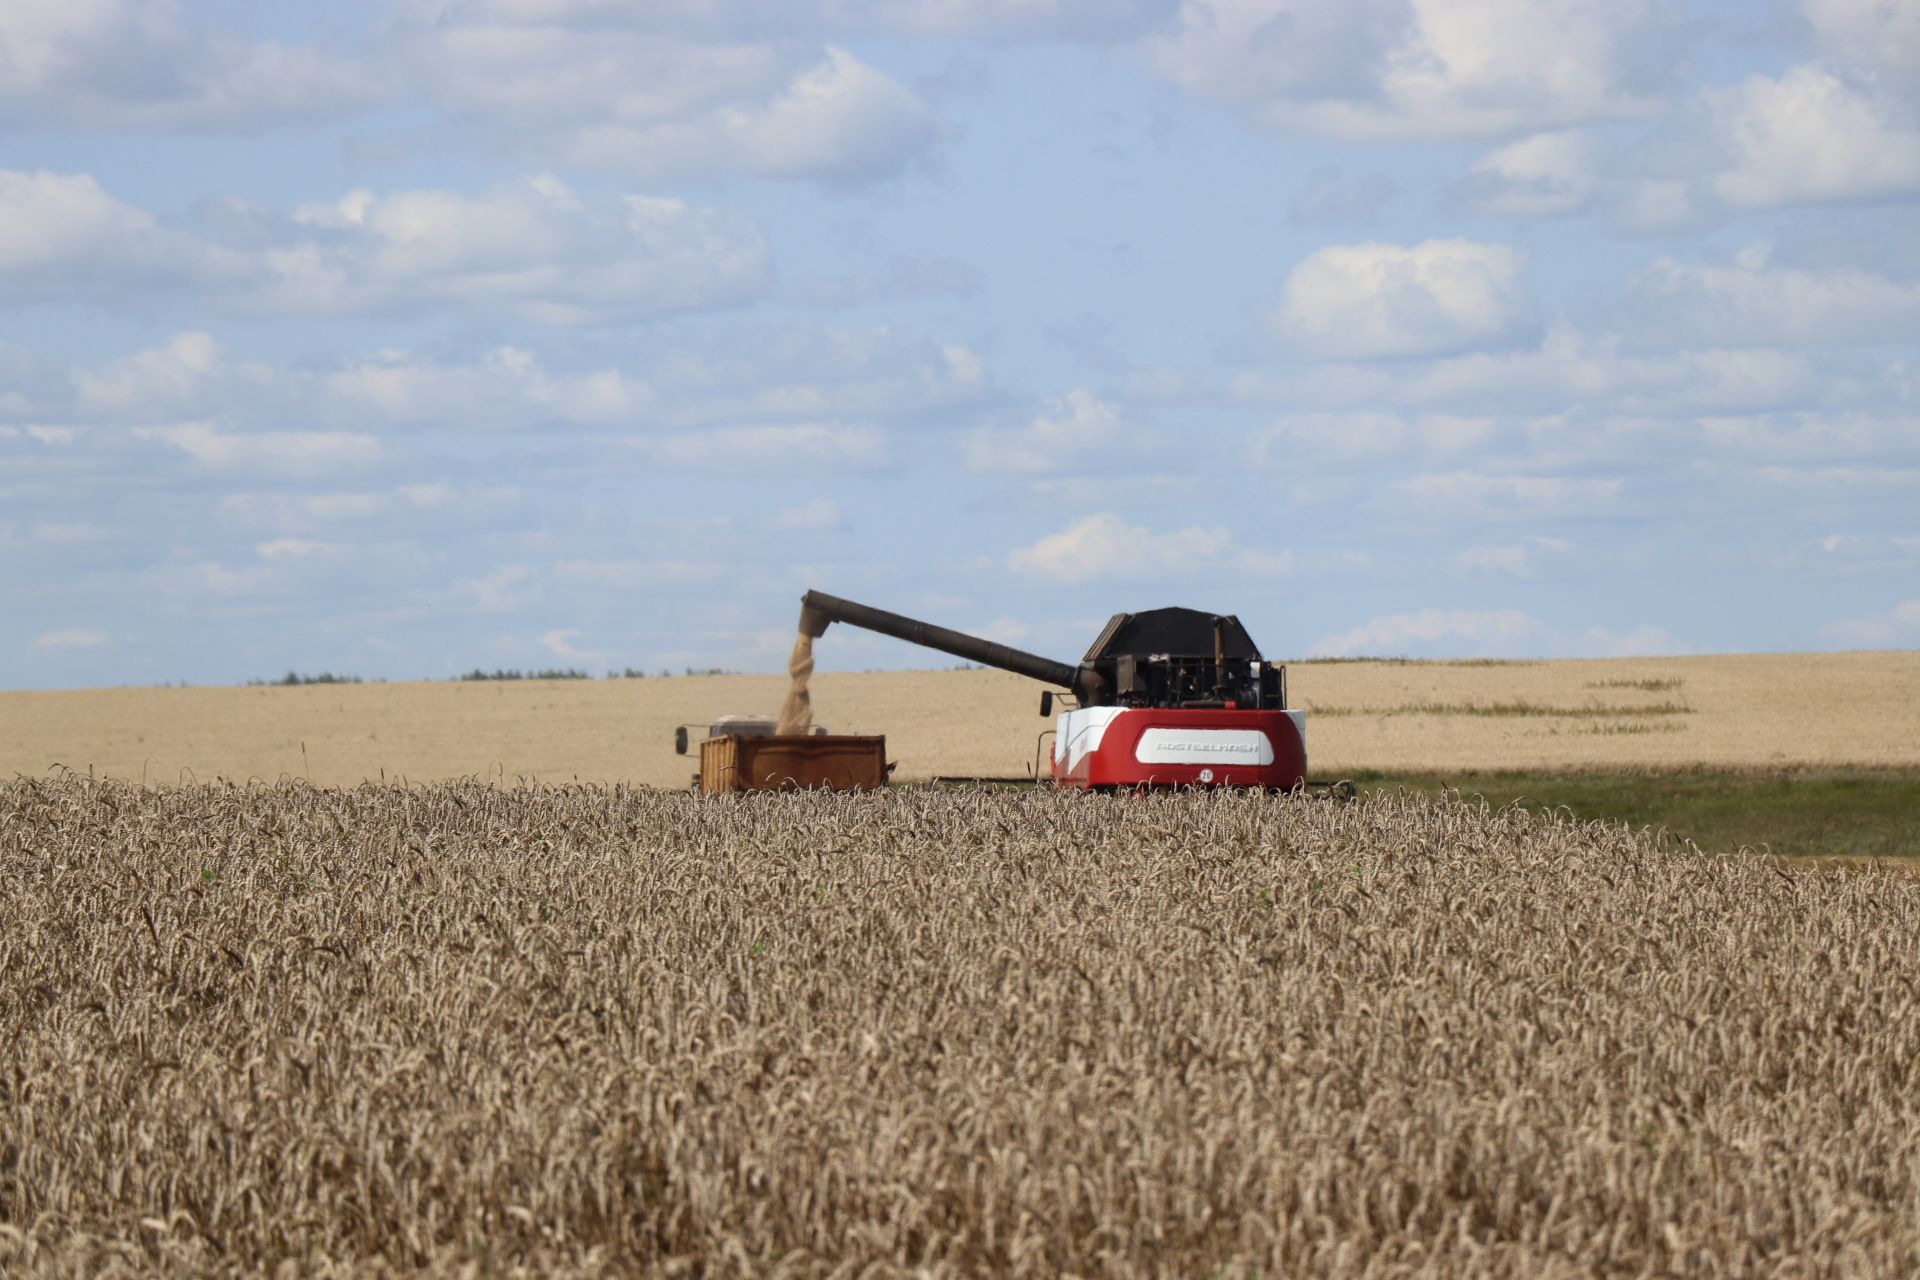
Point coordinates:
[[838, 762]]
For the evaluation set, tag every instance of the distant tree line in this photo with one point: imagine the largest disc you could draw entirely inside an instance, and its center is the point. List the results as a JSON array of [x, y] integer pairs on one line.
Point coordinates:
[[293, 678], [575, 673], [296, 678]]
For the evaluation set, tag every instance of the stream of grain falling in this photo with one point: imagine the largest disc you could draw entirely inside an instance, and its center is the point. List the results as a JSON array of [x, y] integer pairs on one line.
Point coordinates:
[[796, 716]]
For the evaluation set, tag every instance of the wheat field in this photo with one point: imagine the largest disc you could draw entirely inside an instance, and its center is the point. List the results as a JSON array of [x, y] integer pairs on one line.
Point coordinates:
[[1766, 710], [573, 1030]]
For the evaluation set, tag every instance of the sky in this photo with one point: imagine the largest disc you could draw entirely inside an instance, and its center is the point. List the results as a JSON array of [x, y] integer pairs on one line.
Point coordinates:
[[400, 337]]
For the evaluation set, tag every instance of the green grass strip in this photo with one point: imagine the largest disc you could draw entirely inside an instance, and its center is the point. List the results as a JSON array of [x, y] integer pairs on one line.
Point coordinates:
[[1800, 814]]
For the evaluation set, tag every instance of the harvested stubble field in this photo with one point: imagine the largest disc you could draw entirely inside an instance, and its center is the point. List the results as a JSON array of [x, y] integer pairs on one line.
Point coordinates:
[[585, 1030], [1740, 711]]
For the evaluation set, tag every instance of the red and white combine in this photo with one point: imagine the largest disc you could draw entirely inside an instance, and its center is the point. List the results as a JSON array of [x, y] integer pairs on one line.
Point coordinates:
[[1164, 698]]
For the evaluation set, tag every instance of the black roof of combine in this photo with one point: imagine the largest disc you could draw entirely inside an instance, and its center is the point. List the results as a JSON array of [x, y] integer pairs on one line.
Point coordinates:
[[1187, 632]]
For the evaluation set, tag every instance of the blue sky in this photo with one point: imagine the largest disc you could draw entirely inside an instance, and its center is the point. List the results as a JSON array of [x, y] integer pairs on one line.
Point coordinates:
[[443, 333]]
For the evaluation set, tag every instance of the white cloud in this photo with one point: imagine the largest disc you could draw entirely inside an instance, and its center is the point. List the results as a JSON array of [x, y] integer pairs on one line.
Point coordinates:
[[1751, 301], [1364, 437], [1644, 641], [695, 377], [1847, 482], [1331, 197], [984, 19], [641, 88], [1651, 206], [1569, 367], [1542, 176], [1880, 36], [1504, 633], [1479, 632], [1856, 554], [1379, 70], [303, 513], [303, 549], [210, 578], [1831, 131], [897, 279], [550, 67], [1898, 626], [622, 89], [1510, 558], [532, 248], [804, 446], [294, 452], [1011, 631], [1819, 437], [1332, 437], [1105, 546], [839, 118], [504, 590], [69, 534], [157, 381], [719, 376], [427, 497], [1393, 300], [1811, 136], [645, 86], [508, 386], [50, 436], [812, 372], [818, 516], [72, 638], [630, 575], [1519, 559], [301, 510], [1472, 495], [63, 236], [1077, 432], [139, 64], [560, 641], [1088, 19]]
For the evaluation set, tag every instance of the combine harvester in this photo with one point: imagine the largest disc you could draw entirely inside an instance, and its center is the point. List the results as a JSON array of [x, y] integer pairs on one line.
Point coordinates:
[[1165, 698]]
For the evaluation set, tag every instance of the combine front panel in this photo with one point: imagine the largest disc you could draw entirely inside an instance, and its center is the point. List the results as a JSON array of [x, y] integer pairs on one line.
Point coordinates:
[[1168, 747]]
